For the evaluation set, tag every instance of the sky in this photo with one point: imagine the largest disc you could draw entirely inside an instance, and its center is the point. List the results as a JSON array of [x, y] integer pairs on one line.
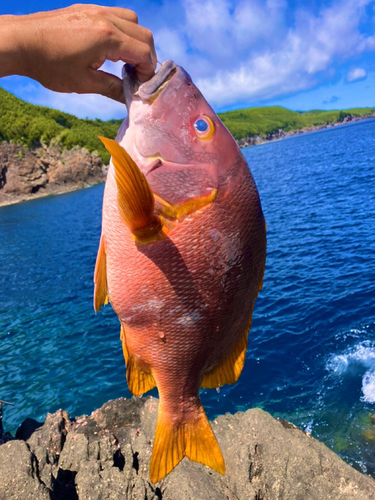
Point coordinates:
[[303, 55]]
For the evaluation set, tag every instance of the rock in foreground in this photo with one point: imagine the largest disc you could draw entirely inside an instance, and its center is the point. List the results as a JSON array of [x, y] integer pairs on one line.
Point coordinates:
[[106, 456]]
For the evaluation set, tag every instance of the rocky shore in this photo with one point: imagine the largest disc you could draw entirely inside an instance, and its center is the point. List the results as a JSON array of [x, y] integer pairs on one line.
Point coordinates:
[[32, 173], [282, 134], [105, 456]]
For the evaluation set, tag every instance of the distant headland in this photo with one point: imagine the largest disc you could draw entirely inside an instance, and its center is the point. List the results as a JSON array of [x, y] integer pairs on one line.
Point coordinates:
[[254, 126], [44, 151]]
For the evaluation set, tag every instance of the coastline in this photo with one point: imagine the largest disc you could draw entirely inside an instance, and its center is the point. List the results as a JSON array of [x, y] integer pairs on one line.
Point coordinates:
[[52, 192], [36, 169], [27, 174], [282, 134]]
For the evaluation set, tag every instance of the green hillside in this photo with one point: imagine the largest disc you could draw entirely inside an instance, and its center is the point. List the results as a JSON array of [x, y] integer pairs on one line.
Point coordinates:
[[30, 125], [267, 120]]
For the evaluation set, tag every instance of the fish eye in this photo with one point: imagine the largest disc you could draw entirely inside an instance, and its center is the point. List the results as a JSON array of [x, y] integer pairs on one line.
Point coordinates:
[[204, 128]]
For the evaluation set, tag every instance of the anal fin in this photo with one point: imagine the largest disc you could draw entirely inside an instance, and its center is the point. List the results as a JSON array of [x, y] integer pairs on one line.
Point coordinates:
[[100, 277], [230, 368], [140, 379]]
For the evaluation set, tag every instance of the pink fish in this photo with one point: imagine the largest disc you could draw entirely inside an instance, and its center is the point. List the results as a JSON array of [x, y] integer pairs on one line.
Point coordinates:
[[181, 257]]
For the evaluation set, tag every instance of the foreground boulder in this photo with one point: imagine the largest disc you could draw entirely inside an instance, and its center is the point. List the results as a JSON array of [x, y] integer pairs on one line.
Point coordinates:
[[106, 456]]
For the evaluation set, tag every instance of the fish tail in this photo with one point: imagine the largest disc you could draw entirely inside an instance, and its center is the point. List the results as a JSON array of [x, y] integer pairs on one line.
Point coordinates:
[[135, 198], [190, 436]]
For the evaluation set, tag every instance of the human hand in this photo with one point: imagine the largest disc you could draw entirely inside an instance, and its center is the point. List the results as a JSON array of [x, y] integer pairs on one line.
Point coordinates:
[[64, 49]]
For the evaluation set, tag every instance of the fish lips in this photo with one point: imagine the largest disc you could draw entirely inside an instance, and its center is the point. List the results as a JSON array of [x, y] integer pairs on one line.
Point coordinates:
[[147, 91]]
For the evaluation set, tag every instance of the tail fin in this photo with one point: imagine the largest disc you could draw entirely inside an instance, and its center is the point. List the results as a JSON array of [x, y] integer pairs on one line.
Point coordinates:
[[135, 199], [192, 438]]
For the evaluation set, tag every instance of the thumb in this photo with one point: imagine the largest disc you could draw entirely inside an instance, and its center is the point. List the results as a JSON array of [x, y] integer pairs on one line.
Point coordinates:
[[100, 82]]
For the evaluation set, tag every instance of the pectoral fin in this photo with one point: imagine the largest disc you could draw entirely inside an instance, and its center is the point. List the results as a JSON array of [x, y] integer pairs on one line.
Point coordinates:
[[135, 199], [100, 277]]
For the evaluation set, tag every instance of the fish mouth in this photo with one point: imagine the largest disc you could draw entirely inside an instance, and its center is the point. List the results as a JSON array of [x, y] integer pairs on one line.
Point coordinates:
[[150, 90]]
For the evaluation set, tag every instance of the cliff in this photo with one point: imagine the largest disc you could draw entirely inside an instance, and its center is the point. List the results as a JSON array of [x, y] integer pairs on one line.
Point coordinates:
[[27, 173], [75, 156], [105, 456]]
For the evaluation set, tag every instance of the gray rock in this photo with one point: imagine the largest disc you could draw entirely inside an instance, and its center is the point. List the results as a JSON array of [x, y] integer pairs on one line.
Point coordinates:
[[106, 456], [31, 173], [19, 473]]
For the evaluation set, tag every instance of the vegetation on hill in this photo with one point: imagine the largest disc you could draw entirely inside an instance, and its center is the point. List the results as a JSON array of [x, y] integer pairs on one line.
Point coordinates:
[[31, 125], [267, 120]]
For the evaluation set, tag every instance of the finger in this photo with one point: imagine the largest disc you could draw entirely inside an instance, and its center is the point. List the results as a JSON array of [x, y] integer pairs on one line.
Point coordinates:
[[100, 82], [131, 29], [135, 31], [126, 14], [143, 76], [131, 50]]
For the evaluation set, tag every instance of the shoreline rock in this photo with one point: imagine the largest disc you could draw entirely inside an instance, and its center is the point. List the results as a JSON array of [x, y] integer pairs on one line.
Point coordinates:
[[106, 456], [33, 173], [282, 134], [27, 174]]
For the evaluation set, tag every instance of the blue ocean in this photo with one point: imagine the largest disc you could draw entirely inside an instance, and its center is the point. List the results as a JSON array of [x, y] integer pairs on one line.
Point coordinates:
[[311, 355]]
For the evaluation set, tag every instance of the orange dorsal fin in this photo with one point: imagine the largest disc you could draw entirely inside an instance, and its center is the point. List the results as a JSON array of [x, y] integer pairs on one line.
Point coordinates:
[[135, 199], [138, 376], [100, 277], [191, 437], [228, 370]]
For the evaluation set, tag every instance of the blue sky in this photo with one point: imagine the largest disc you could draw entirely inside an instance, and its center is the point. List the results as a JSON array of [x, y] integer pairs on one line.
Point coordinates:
[[298, 54]]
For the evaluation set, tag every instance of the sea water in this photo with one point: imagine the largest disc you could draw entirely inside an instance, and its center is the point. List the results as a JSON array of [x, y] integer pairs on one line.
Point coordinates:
[[311, 355]]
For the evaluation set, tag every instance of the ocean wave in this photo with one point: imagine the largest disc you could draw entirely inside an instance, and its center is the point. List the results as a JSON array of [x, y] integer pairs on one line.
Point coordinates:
[[358, 360], [368, 387]]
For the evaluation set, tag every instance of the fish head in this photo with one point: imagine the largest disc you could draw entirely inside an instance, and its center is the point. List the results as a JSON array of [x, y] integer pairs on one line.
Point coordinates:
[[174, 136]]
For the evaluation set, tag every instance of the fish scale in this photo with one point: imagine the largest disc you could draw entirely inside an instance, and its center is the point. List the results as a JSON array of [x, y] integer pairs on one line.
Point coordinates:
[[183, 286]]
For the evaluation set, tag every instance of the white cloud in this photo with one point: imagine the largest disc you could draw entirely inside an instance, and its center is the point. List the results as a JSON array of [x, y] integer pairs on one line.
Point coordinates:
[[82, 105], [251, 51], [356, 74], [242, 51], [171, 45]]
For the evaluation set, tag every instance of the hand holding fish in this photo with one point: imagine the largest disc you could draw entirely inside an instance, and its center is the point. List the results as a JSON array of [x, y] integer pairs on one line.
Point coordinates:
[[64, 49]]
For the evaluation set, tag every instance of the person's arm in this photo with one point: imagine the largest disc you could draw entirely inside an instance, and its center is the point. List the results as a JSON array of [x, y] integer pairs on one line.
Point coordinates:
[[63, 49]]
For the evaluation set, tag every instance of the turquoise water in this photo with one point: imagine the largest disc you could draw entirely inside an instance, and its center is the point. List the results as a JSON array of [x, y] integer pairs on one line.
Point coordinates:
[[311, 356]]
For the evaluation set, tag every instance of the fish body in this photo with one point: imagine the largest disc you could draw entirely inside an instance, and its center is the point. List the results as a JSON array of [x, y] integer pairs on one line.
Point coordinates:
[[182, 276]]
